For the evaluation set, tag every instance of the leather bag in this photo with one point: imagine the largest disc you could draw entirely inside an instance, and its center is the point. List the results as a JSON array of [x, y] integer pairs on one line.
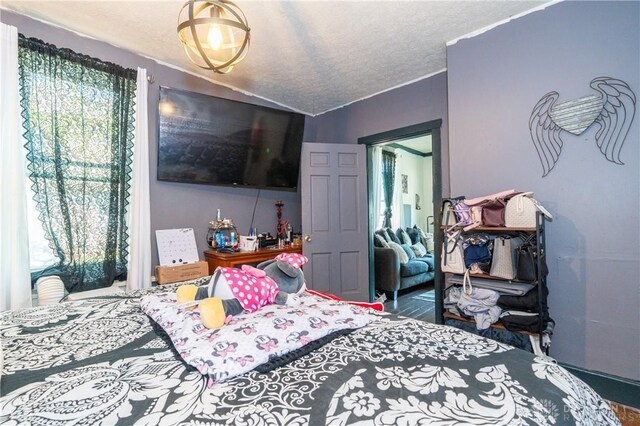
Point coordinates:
[[504, 260], [493, 212], [527, 262]]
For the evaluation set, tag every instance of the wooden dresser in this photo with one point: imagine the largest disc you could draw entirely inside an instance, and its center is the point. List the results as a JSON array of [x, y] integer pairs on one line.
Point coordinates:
[[215, 258]]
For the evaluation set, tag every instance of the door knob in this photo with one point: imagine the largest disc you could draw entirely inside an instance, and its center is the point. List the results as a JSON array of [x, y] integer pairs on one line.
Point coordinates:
[[307, 238]]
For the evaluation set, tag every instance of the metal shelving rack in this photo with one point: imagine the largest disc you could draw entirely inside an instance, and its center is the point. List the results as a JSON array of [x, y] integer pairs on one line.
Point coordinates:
[[540, 283]]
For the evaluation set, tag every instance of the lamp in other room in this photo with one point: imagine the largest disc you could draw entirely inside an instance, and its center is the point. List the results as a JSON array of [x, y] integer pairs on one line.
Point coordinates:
[[215, 34]]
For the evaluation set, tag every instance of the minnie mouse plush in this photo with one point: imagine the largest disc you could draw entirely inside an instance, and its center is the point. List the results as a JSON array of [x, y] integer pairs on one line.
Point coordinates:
[[233, 291]]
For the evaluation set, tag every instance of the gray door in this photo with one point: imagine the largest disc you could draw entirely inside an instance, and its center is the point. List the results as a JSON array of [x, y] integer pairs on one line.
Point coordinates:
[[334, 219]]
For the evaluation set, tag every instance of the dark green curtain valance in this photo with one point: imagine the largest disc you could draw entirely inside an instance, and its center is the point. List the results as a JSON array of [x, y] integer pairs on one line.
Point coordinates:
[[388, 181], [78, 115]]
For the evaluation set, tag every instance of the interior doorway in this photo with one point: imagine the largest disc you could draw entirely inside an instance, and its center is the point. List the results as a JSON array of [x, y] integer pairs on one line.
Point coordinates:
[[417, 200]]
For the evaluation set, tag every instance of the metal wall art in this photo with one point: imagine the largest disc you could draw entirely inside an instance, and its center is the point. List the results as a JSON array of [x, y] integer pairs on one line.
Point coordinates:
[[612, 111]]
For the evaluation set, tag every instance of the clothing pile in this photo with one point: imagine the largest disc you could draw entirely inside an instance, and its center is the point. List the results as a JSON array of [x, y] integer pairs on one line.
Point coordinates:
[[480, 303]]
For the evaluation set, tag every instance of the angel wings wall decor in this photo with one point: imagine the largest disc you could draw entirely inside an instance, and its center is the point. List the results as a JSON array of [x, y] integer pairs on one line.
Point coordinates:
[[612, 111]]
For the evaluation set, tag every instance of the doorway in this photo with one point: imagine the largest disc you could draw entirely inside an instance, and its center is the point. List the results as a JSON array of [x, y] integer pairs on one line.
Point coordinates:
[[418, 202]]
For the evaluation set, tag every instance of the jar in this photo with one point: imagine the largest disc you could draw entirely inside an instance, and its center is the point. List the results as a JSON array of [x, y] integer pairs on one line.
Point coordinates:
[[222, 234]]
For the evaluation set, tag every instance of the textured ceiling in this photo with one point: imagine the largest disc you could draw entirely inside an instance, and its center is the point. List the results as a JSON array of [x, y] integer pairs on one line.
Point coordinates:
[[310, 56]]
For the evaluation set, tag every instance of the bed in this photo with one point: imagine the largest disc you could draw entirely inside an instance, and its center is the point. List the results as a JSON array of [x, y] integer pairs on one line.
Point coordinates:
[[101, 361]]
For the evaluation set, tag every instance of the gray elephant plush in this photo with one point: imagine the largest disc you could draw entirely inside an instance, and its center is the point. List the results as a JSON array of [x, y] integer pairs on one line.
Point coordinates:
[[232, 291]]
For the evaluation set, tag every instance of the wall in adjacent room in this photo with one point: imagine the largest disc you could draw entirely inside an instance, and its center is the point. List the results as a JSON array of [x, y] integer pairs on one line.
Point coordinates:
[[417, 180], [178, 205], [418, 102], [495, 79]]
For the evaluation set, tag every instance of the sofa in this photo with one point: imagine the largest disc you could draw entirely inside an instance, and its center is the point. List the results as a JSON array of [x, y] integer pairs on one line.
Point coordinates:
[[394, 271]]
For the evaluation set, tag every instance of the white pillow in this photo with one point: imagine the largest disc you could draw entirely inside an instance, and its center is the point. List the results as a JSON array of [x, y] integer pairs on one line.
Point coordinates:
[[402, 255], [425, 239], [381, 241], [419, 249], [429, 242]]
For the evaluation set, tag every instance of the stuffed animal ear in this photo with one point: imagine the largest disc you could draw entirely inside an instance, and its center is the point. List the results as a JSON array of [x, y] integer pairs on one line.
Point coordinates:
[[265, 263], [287, 269], [294, 259]]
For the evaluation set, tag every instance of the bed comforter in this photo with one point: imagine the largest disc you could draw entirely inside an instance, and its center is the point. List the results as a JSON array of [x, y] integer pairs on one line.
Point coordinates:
[[100, 361]]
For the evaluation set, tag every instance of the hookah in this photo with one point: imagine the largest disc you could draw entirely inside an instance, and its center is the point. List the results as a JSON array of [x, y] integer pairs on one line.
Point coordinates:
[[281, 225]]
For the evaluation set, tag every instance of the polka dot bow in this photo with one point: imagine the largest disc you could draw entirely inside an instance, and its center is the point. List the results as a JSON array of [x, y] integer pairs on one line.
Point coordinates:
[[294, 259]]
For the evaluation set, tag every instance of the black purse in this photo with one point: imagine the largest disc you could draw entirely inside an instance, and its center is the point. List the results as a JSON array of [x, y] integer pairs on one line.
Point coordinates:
[[527, 261]]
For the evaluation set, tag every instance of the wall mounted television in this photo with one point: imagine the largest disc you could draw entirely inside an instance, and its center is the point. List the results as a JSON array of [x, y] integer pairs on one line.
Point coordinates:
[[209, 140]]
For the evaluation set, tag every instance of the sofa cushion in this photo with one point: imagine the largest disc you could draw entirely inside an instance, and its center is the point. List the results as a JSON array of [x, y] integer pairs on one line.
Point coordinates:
[[379, 241], [412, 268], [407, 249], [392, 236], [425, 238], [427, 259], [402, 255], [414, 235], [419, 249], [403, 236], [383, 234]]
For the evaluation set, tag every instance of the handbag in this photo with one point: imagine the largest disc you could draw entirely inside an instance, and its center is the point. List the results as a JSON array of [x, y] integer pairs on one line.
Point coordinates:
[[466, 282], [527, 261], [493, 212], [476, 252], [476, 215], [520, 211], [452, 254], [503, 261], [463, 214], [448, 217]]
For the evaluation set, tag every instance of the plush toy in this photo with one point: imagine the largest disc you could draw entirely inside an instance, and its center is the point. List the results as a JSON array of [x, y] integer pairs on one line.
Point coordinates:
[[232, 291]]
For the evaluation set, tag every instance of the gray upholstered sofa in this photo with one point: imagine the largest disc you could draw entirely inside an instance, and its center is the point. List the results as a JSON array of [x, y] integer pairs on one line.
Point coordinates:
[[391, 275]]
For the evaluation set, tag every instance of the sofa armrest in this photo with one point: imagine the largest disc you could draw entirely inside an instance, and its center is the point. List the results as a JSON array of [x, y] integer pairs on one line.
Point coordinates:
[[387, 269]]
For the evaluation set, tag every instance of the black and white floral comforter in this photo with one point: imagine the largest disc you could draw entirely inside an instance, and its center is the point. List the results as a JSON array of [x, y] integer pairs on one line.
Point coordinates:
[[100, 361]]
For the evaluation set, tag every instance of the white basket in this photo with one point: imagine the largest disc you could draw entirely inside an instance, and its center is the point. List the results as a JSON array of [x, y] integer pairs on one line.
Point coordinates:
[[50, 290], [520, 211]]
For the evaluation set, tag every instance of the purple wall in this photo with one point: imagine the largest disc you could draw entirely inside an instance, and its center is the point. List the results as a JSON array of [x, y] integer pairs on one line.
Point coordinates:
[[415, 103], [495, 79], [176, 205]]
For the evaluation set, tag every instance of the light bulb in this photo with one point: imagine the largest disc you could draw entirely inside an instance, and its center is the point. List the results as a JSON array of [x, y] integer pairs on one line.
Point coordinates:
[[215, 37]]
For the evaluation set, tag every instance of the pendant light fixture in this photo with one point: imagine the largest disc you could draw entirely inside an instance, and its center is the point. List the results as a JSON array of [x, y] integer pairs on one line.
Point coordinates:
[[215, 34]]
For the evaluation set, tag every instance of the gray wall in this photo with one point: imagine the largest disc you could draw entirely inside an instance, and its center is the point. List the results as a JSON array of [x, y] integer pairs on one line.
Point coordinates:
[[415, 103], [495, 79], [177, 205]]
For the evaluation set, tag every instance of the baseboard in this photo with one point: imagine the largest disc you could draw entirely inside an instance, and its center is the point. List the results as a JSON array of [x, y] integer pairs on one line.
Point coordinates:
[[614, 388]]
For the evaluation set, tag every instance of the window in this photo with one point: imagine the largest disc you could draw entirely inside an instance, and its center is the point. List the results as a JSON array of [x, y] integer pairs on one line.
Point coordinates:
[[78, 115]]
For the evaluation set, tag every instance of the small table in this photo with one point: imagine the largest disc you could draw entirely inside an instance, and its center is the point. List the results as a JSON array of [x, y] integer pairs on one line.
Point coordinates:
[[215, 258]]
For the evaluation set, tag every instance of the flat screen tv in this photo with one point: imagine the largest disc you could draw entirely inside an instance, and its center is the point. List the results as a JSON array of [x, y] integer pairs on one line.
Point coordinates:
[[209, 140]]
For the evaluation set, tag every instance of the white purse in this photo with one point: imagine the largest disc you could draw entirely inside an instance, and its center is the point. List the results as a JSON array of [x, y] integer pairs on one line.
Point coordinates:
[[452, 259], [521, 209], [503, 260]]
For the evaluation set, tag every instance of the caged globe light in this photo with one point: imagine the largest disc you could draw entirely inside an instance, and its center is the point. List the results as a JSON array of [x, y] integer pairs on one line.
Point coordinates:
[[215, 34]]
